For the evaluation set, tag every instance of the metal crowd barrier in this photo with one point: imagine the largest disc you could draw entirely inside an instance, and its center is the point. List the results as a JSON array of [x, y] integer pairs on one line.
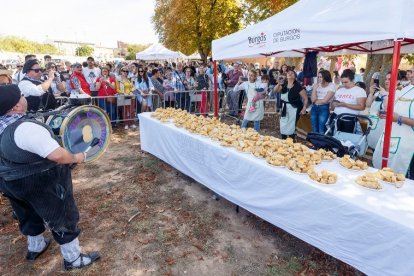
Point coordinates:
[[234, 104], [122, 108]]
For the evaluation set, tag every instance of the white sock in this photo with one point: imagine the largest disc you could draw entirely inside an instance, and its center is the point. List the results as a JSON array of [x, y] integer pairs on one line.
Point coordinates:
[[71, 253], [71, 250], [36, 243]]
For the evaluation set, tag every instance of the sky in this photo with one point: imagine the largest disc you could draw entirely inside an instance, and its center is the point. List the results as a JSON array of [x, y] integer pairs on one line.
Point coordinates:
[[102, 22]]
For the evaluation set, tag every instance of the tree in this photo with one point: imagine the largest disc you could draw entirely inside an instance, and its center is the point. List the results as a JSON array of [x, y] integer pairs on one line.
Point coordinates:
[[21, 45], [84, 51], [191, 25], [135, 48], [258, 10]]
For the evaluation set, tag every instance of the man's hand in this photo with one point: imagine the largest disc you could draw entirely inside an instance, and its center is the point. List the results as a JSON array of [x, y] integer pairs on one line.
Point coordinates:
[[51, 74]]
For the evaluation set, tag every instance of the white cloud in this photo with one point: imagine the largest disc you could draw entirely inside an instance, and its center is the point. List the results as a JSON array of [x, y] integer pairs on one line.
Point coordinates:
[[98, 21]]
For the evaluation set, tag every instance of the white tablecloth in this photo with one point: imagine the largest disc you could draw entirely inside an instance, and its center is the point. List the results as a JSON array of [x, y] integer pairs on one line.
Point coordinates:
[[370, 230]]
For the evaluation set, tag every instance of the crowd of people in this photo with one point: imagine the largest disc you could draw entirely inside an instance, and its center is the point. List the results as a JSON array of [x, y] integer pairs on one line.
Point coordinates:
[[243, 90], [35, 174]]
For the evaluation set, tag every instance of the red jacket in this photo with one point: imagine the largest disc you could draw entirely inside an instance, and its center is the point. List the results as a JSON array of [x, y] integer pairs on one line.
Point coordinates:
[[78, 80]]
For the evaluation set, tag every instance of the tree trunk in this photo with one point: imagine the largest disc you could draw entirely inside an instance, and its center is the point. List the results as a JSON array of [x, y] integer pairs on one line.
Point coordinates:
[[332, 66], [203, 56], [374, 63]]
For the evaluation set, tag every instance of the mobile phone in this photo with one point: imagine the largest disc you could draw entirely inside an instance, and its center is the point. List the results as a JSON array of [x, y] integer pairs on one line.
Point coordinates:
[[376, 82], [244, 79]]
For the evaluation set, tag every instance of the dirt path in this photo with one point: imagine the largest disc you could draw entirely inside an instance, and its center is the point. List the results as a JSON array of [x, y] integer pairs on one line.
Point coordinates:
[[175, 226]]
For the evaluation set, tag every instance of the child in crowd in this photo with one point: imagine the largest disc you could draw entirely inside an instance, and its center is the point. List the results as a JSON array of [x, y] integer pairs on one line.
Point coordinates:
[[261, 92]]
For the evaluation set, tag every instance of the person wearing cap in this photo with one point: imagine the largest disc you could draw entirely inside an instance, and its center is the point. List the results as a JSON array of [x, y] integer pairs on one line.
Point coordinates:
[[18, 75], [38, 93], [36, 178], [5, 75], [91, 73]]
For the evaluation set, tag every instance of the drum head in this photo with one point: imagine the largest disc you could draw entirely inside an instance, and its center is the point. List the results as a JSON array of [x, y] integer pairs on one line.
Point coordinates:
[[81, 125]]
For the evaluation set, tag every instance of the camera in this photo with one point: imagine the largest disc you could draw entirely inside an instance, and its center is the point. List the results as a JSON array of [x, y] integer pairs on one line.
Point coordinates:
[[244, 79], [376, 82]]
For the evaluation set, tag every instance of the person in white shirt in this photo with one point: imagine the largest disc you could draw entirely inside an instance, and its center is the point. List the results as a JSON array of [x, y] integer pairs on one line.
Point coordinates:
[[18, 75], [37, 92], [349, 98], [91, 74], [322, 94], [36, 178]]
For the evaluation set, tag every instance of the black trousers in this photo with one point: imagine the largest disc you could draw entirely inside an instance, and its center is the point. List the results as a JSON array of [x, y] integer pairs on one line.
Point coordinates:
[[45, 199], [410, 172]]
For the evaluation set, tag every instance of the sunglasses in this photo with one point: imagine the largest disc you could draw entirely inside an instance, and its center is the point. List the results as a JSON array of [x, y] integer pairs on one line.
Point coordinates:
[[19, 66], [36, 70], [140, 71], [125, 71]]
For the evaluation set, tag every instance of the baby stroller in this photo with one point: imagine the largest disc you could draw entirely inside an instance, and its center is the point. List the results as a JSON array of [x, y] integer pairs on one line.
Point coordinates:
[[342, 136]]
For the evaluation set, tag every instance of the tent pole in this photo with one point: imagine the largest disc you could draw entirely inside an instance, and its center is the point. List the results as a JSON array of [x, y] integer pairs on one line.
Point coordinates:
[[390, 107], [215, 89]]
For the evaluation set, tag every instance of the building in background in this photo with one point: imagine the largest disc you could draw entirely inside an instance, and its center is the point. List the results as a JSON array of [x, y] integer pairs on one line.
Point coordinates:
[[68, 48]]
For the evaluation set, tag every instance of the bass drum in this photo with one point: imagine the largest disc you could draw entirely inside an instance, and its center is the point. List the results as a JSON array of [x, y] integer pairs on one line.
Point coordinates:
[[76, 127]]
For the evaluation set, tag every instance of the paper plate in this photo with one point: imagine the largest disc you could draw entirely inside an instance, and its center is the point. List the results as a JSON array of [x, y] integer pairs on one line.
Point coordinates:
[[296, 172], [321, 184], [398, 184]]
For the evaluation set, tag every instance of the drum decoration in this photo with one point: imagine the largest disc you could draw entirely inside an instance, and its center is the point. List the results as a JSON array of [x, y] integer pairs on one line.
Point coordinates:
[[77, 126]]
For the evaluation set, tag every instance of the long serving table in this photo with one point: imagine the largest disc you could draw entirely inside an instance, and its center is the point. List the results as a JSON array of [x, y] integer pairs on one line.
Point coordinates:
[[370, 230]]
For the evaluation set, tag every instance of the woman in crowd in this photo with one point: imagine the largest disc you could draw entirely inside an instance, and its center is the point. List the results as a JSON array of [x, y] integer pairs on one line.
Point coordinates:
[[348, 99], [253, 89], [189, 81], [125, 88], [283, 69], [294, 101], [106, 86], [401, 150], [144, 88], [375, 104], [169, 96], [57, 85], [133, 72], [5, 75], [321, 97]]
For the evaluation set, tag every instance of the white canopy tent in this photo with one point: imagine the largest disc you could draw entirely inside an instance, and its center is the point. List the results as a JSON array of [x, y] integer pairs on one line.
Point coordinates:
[[329, 26], [332, 27], [157, 52]]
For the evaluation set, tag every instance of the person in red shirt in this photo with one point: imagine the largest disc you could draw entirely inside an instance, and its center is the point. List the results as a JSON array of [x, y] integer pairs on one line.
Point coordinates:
[[106, 93], [78, 82]]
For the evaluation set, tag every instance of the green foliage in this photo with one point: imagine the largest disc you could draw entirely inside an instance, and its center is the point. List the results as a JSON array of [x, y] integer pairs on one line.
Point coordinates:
[[135, 48], [191, 25], [84, 51], [409, 58], [22, 45], [258, 10]]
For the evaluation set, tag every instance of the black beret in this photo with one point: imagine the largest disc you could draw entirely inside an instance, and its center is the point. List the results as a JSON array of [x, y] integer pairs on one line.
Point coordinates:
[[9, 96], [29, 64]]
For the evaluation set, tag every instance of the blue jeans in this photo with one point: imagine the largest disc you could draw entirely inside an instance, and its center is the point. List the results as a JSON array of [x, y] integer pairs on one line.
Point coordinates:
[[110, 109], [319, 116], [256, 125]]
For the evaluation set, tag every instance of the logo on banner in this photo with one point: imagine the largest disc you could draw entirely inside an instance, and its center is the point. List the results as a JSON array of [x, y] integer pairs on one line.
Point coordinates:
[[286, 35], [257, 41]]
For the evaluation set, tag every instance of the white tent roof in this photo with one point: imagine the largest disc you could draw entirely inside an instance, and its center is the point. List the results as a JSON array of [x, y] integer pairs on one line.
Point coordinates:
[[194, 55], [331, 26], [157, 52]]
